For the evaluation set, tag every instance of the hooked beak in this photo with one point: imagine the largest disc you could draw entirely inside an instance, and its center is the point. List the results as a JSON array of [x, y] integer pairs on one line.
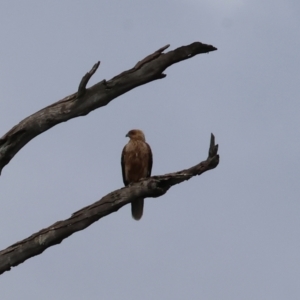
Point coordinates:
[[127, 135]]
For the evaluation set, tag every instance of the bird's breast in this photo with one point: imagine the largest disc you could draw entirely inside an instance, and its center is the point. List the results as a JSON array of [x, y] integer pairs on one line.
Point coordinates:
[[136, 161]]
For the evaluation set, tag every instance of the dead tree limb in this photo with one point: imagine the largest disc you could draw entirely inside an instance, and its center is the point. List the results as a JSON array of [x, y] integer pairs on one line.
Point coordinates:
[[154, 186], [85, 79], [86, 100]]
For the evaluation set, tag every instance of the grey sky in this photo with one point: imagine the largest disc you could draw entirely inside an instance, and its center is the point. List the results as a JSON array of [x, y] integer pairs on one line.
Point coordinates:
[[232, 233]]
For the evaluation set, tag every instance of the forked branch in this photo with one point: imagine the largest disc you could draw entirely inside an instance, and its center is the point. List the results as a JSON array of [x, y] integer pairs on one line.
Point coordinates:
[[86, 100]]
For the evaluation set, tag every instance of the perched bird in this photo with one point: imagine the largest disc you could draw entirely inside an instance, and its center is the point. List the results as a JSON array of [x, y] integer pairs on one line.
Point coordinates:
[[136, 161]]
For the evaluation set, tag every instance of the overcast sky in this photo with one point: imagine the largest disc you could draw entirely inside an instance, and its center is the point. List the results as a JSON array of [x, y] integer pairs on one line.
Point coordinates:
[[232, 233]]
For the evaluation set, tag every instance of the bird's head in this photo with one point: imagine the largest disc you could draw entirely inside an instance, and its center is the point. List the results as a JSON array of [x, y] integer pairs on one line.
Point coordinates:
[[136, 134]]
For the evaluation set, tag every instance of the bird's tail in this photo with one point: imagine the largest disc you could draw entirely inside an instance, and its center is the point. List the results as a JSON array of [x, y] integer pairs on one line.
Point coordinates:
[[137, 208]]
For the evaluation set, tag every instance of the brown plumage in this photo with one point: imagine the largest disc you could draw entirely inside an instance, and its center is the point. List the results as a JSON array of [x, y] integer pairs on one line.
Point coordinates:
[[136, 163]]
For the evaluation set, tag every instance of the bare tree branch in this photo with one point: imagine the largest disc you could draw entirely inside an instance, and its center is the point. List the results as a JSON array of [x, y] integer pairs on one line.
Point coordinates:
[[87, 100], [85, 79], [150, 187]]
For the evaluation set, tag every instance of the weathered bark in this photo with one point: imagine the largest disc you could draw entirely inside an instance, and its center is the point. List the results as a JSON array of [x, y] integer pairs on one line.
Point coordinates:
[[86, 100], [150, 187]]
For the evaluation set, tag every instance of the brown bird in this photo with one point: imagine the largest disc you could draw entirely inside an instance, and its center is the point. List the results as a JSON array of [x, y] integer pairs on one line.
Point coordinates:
[[136, 163]]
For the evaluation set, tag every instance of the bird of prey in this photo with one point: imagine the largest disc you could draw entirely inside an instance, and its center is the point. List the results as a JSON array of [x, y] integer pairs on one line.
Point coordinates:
[[136, 161]]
